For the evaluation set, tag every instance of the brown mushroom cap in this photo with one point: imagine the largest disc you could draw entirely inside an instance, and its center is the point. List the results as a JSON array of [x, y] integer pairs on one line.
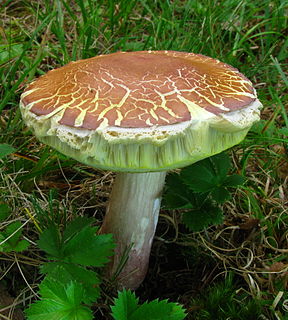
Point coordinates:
[[138, 89], [132, 96]]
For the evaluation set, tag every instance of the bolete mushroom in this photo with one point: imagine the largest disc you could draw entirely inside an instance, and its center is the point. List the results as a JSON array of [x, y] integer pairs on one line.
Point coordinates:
[[140, 114]]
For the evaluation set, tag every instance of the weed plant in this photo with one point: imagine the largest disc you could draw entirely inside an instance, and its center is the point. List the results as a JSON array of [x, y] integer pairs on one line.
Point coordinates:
[[41, 190]]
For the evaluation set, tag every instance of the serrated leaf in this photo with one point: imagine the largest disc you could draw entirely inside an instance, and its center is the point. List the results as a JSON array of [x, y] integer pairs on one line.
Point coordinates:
[[87, 248], [59, 302], [234, 180], [178, 195], [175, 201], [221, 164], [199, 178], [159, 310], [198, 220], [81, 245], [50, 242], [75, 226], [174, 183], [126, 307], [5, 150], [208, 174], [65, 273], [220, 195]]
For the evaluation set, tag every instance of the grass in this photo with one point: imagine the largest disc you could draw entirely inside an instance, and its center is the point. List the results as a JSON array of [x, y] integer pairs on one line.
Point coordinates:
[[36, 36]]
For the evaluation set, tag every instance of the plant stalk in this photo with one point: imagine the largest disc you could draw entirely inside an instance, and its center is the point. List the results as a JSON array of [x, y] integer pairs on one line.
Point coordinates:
[[132, 217]]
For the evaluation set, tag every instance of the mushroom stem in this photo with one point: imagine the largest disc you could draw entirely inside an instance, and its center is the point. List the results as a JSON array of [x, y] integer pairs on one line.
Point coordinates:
[[132, 217]]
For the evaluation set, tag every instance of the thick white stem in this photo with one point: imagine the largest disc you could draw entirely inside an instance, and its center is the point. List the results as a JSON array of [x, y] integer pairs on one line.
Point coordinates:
[[132, 217]]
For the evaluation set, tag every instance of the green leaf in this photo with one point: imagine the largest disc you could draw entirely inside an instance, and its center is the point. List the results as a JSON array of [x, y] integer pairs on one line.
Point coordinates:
[[13, 243], [234, 180], [200, 187], [172, 200], [65, 273], [199, 178], [87, 248], [175, 183], [220, 195], [174, 194], [3, 246], [159, 310], [75, 226], [208, 174], [59, 302], [197, 220], [221, 164], [126, 307], [5, 150], [21, 246], [81, 246], [77, 247], [4, 211], [178, 195], [50, 242]]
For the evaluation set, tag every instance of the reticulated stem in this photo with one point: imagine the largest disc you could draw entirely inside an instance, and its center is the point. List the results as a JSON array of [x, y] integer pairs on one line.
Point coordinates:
[[132, 217]]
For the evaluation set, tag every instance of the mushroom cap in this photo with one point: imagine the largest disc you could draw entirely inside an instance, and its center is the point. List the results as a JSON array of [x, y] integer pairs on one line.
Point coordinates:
[[141, 111]]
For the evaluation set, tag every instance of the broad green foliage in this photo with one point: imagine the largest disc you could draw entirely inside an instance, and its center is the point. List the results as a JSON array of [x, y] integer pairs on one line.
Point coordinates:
[[70, 288], [78, 244], [211, 176], [71, 251], [199, 190], [59, 302], [10, 236], [197, 220], [65, 273], [127, 307]]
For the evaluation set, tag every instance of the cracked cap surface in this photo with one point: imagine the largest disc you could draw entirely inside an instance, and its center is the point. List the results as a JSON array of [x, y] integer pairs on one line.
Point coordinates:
[[137, 90]]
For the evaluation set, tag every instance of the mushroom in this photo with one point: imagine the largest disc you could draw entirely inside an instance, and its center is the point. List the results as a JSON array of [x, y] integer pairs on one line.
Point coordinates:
[[140, 114]]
